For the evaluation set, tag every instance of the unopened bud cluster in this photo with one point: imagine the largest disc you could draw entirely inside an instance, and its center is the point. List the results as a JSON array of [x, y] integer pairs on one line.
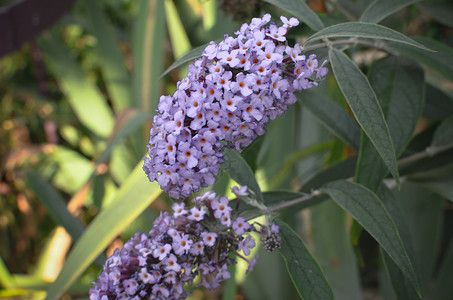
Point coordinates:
[[189, 244], [226, 100]]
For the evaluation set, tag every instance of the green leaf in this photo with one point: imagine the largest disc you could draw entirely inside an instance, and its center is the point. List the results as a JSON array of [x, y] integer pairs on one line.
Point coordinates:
[[441, 60], [229, 291], [443, 187], [341, 170], [6, 280], [109, 57], [278, 148], [134, 196], [148, 38], [55, 204], [300, 10], [240, 171], [335, 118], [378, 10], [399, 86], [305, 272], [294, 158], [333, 250], [148, 50], [123, 128], [84, 97], [365, 207], [65, 168], [365, 106], [365, 30], [443, 289], [443, 135], [179, 40], [424, 215], [441, 10], [439, 105], [402, 287], [189, 56]]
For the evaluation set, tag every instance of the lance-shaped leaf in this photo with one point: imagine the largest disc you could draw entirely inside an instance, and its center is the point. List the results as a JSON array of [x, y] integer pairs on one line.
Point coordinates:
[[341, 170], [132, 198], [85, 99], [378, 10], [189, 56], [147, 46], [402, 287], [368, 210], [178, 36], [438, 106], [108, 56], [307, 275], [334, 251], [443, 288], [364, 30], [441, 11], [54, 204], [365, 106], [399, 86], [300, 10], [127, 123], [441, 60], [443, 135]]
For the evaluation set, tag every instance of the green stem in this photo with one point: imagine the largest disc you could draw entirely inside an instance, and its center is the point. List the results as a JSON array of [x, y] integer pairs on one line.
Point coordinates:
[[428, 152], [378, 44]]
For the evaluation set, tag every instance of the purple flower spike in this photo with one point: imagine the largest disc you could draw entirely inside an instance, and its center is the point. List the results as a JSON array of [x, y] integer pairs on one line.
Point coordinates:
[[178, 249], [226, 100]]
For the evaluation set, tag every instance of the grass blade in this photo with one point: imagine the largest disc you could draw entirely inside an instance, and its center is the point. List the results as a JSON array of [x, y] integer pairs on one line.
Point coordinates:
[[84, 97], [132, 198]]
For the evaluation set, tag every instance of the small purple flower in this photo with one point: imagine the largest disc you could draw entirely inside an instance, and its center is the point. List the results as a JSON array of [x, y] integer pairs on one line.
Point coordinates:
[[289, 23], [209, 238], [246, 244], [130, 286], [240, 226], [162, 251], [171, 263], [182, 244], [221, 207], [241, 191], [197, 248], [196, 214], [178, 209]]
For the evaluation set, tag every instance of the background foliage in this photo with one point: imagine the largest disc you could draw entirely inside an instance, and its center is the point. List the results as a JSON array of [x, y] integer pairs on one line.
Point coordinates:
[[374, 140]]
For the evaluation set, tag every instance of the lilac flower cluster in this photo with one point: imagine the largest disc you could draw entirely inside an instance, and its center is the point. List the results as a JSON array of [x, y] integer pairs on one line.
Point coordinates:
[[226, 100], [190, 243]]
